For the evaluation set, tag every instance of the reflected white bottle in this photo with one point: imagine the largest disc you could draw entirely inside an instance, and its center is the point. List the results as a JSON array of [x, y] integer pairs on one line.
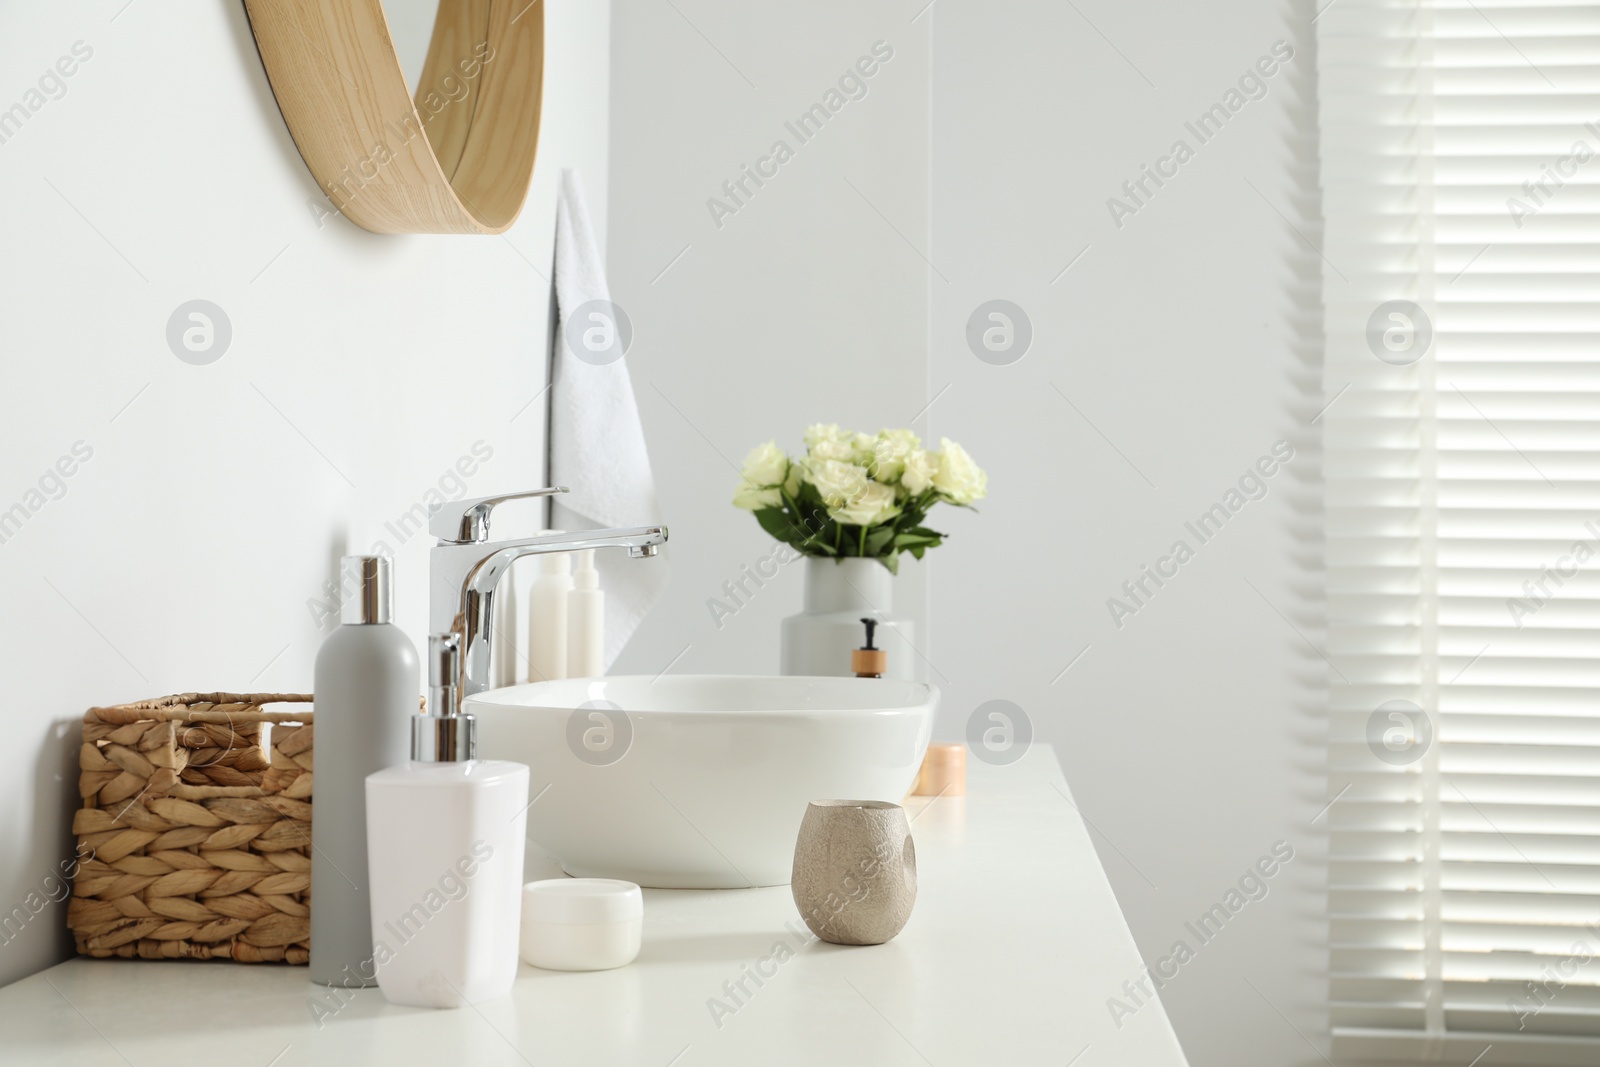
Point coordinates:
[[505, 656], [444, 855], [586, 621], [547, 618]]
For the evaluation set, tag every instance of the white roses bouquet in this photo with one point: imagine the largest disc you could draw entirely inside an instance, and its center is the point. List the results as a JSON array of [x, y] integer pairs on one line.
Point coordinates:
[[856, 494]]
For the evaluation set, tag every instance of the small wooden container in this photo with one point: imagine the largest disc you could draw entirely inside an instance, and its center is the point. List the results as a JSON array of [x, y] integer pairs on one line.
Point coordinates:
[[944, 772], [194, 839]]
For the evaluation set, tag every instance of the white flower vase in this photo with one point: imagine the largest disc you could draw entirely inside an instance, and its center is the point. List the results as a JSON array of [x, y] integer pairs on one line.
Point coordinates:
[[839, 594]]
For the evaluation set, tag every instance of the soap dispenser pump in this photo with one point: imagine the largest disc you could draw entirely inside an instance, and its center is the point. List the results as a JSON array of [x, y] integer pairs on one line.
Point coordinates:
[[869, 662], [445, 842]]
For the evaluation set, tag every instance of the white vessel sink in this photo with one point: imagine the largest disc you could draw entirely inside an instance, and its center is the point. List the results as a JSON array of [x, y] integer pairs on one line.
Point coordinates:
[[699, 782]]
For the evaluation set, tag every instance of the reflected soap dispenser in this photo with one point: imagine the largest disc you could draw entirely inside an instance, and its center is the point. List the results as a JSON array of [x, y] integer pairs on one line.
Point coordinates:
[[444, 847]]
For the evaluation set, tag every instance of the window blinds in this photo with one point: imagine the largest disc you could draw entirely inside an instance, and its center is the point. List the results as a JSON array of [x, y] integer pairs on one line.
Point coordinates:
[[1460, 146]]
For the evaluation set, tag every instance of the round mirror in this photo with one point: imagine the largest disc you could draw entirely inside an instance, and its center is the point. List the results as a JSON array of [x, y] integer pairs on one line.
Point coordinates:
[[416, 116]]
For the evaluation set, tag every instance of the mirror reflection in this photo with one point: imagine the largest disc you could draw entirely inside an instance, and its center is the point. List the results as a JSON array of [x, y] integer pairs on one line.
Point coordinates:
[[411, 26]]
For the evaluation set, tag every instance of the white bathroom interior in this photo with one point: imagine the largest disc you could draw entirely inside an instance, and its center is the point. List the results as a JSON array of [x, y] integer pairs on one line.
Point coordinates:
[[880, 532]]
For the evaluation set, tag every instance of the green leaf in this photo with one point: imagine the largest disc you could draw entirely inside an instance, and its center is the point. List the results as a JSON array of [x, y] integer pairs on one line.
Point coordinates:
[[878, 539], [781, 525]]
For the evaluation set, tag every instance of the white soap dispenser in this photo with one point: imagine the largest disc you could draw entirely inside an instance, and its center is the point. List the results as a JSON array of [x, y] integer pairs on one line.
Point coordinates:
[[547, 618], [444, 847], [586, 621]]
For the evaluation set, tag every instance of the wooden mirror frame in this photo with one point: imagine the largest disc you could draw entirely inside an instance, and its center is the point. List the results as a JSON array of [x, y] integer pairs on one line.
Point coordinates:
[[456, 159]]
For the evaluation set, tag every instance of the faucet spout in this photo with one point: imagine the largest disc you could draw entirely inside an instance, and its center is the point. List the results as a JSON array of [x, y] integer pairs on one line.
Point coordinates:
[[464, 575]]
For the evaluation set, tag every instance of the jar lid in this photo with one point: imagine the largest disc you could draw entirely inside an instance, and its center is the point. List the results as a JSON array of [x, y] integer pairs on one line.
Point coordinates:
[[945, 754], [581, 900]]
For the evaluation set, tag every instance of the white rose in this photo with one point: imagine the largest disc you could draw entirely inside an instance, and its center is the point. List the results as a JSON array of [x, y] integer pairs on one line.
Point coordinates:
[[959, 479], [874, 503], [836, 480], [837, 449], [889, 451], [766, 465], [826, 441], [823, 431], [917, 471], [755, 498]]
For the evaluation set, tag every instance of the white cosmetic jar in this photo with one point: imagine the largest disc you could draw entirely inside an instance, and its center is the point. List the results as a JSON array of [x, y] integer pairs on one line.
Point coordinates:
[[581, 924]]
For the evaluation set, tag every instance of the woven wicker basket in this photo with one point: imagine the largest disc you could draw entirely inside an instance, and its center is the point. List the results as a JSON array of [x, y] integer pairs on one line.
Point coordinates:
[[195, 833]]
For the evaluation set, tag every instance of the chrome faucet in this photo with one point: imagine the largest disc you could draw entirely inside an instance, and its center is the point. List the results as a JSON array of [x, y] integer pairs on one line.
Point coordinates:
[[465, 566]]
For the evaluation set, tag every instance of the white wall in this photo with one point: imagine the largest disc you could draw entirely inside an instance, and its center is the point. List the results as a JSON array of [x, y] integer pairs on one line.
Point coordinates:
[[1175, 352], [218, 498], [1186, 339], [804, 306]]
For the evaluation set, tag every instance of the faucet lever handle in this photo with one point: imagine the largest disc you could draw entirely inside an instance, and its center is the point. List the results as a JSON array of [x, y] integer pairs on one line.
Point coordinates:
[[467, 521]]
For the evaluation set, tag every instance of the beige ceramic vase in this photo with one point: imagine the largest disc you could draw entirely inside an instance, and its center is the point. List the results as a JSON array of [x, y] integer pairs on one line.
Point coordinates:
[[855, 871]]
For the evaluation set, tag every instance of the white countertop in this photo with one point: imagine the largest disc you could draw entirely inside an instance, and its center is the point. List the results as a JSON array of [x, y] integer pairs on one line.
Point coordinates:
[[1009, 959]]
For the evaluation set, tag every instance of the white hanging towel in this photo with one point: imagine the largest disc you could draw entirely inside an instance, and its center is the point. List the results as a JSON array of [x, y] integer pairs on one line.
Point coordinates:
[[596, 440]]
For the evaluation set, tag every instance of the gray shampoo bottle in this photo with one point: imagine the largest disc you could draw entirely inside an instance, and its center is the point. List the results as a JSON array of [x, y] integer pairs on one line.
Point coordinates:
[[368, 685]]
